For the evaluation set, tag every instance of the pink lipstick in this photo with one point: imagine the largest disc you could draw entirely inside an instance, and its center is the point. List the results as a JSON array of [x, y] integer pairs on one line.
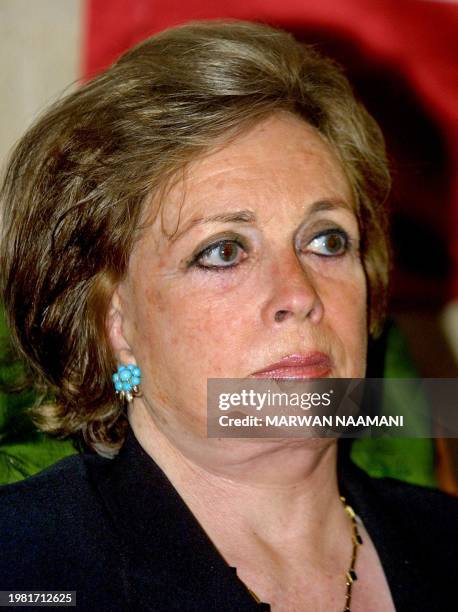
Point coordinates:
[[297, 365]]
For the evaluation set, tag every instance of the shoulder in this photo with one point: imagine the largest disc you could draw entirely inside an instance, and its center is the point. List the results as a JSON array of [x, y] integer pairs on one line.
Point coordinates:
[[391, 493], [53, 489], [417, 503], [50, 523], [416, 536], [421, 519]]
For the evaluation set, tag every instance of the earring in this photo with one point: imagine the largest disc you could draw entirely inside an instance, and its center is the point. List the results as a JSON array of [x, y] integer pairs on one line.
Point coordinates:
[[126, 381]]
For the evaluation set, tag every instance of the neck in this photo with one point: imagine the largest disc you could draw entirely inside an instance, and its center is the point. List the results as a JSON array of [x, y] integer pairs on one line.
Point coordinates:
[[229, 484]]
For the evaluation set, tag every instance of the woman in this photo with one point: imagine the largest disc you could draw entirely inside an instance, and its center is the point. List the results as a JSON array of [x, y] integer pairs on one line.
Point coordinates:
[[211, 206]]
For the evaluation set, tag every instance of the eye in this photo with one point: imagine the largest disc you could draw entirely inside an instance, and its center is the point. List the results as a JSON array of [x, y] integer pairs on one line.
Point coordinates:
[[222, 254], [330, 243]]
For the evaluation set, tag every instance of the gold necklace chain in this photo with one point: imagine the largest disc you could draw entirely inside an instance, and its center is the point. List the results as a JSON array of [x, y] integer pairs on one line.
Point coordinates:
[[350, 575], [357, 540]]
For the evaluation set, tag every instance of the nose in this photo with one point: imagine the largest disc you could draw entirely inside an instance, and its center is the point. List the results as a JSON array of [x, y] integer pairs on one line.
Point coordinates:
[[293, 294]]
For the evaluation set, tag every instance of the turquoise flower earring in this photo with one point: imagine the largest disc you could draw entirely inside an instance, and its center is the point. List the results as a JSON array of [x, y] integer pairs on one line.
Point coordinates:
[[126, 381]]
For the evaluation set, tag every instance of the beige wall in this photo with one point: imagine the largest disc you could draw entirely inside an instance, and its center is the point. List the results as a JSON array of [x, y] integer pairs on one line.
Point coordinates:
[[40, 50]]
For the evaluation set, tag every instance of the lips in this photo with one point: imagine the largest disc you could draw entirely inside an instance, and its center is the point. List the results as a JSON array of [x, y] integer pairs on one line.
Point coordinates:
[[298, 365]]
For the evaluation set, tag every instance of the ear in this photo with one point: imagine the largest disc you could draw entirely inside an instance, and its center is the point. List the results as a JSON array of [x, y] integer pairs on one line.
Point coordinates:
[[116, 325]]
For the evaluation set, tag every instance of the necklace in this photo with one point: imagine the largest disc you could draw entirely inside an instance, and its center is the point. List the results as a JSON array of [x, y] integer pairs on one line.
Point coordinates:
[[357, 540], [350, 575]]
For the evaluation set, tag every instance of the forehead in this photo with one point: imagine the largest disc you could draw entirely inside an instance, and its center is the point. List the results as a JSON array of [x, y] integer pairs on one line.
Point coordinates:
[[282, 161]]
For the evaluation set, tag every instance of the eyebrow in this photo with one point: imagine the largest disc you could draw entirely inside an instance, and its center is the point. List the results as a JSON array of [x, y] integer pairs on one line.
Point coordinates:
[[239, 216], [248, 216]]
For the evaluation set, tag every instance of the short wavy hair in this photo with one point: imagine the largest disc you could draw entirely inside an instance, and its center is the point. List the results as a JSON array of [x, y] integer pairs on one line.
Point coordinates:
[[78, 180]]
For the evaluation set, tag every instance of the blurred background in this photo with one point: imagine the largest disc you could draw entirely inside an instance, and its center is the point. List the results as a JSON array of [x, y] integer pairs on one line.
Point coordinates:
[[400, 56]]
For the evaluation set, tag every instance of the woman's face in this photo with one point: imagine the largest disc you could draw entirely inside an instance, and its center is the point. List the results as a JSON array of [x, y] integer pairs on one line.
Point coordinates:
[[264, 264]]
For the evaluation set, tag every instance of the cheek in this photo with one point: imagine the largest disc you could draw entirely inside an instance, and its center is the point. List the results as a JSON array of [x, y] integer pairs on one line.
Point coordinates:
[[349, 307], [341, 285], [354, 310], [190, 328], [354, 336], [345, 306]]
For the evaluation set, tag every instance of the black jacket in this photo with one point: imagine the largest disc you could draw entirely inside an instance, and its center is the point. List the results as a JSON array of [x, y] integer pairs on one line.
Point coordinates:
[[117, 532]]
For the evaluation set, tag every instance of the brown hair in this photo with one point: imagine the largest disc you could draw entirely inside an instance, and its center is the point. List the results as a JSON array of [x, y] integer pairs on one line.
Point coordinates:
[[77, 181]]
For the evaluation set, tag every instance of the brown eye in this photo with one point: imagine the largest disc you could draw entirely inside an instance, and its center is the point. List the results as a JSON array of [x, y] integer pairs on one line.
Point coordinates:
[[224, 254], [334, 243], [330, 243], [228, 251]]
